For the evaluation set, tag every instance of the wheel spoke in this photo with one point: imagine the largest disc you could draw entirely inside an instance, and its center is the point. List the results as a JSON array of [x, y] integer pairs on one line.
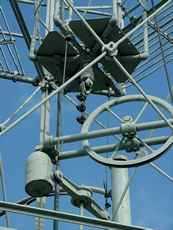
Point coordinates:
[[141, 112], [117, 148], [146, 145], [103, 126], [114, 114]]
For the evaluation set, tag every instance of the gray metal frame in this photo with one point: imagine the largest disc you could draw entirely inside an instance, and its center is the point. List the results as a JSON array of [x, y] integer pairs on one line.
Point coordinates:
[[65, 217], [107, 50]]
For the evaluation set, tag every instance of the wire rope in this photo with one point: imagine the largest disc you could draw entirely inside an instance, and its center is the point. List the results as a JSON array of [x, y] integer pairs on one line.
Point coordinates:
[[89, 4], [21, 107], [163, 58]]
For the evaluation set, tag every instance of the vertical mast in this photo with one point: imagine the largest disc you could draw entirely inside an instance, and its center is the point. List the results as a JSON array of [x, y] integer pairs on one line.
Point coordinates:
[[121, 211], [117, 12], [120, 207], [45, 108]]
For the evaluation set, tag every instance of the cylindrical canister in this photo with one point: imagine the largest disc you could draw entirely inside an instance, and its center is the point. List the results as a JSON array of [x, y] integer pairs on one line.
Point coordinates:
[[38, 174]]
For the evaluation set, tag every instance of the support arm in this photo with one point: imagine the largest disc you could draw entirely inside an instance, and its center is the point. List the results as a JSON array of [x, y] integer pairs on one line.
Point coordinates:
[[80, 195]]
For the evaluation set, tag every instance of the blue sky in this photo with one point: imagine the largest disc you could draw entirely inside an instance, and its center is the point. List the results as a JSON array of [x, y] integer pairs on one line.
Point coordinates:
[[151, 194]]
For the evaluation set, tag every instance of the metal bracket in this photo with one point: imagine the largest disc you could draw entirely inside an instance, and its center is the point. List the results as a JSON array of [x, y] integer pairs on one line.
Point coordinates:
[[80, 195], [111, 49], [128, 127]]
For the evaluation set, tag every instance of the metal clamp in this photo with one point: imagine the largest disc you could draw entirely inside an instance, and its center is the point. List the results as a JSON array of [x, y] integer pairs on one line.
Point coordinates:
[[110, 48]]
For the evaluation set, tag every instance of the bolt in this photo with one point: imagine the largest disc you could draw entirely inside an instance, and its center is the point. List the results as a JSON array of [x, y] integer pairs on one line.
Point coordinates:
[[127, 118]]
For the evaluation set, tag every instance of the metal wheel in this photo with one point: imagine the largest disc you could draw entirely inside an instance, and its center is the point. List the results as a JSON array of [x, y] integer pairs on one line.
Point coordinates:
[[133, 140]]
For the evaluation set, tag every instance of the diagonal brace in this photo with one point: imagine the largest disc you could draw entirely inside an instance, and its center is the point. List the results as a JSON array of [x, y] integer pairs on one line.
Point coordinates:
[[80, 195]]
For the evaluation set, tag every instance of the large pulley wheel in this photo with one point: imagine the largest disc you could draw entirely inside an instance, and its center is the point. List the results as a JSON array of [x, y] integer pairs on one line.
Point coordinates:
[[134, 136]]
